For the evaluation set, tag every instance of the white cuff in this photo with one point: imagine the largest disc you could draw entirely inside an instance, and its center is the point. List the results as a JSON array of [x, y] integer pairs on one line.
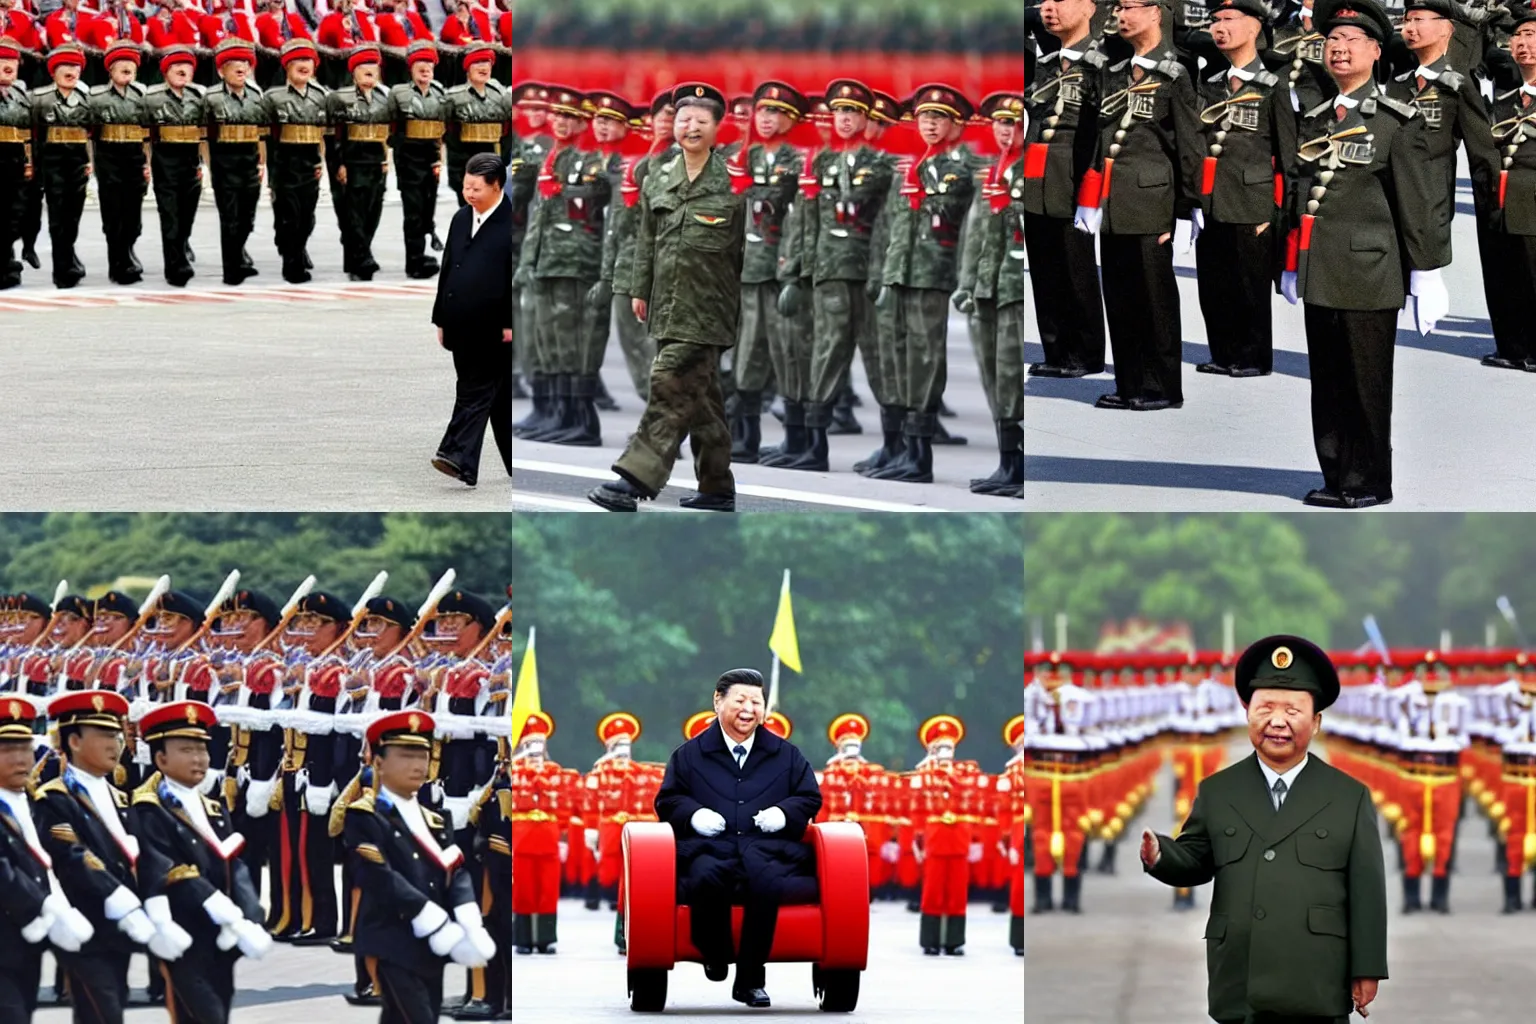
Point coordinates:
[[37, 931], [120, 903], [159, 910], [1419, 279], [428, 920], [468, 915]]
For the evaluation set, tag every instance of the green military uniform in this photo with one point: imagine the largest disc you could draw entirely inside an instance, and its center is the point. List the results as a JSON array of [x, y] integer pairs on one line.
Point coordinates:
[[1299, 906], [477, 121], [61, 129], [995, 251], [1509, 238], [419, 117], [299, 119], [522, 175], [121, 118], [177, 119], [687, 269], [236, 119], [795, 307], [561, 260], [15, 160], [361, 119], [599, 298], [920, 272]]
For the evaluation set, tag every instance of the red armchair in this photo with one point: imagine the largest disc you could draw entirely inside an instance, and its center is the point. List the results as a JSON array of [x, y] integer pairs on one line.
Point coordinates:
[[833, 934]]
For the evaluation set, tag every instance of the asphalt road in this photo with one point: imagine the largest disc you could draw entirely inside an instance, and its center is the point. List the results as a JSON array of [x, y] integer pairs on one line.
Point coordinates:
[[556, 477], [330, 396], [1247, 444], [584, 982], [1130, 959]]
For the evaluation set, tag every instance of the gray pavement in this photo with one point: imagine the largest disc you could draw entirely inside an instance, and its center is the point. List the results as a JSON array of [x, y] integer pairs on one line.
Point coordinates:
[[555, 477], [1130, 958], [330, 396], [584, 982], [1247, 444]]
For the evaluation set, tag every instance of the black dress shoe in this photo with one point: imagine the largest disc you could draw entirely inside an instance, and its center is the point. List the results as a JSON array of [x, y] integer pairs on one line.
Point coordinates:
[[524, 950], [448, 467], [1112, 401], [1498, 362], [29, 253], [1153, 404], [548, 949], [1249, 371], [710, 502], [1365, 500], [312, 938], [178, 278], [473, 1009], [930, 951], [1529, 366], [1216, 368], [956, 951], [717, 972], [617, 496], [1320, 498], [751, 996]]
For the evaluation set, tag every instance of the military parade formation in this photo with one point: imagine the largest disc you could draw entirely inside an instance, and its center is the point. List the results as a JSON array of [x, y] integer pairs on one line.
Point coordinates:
[[863, 217], [165, 762], [940, 837], [270, 103], [1432, 734], [1303, 148]]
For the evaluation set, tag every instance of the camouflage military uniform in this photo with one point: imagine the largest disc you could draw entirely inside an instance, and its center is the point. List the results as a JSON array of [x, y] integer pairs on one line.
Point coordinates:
[[15, 159], [235, 122], [61, 127], [618, 254], [176, 169], [419, 120], [361, 120], [522, 173], [299, 125], [999, 288]]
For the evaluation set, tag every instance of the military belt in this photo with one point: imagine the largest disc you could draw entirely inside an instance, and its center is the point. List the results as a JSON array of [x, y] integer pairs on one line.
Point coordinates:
[[1521, 775], [71, 135], [239, 133], [480, 131], [425, 130], [9, 134], [180, 133], [367, 132], [532, 816], [302, 133], [123, 133]]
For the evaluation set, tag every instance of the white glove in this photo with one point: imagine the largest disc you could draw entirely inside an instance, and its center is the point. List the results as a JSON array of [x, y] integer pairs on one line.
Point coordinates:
[[565, 850], [1183, 235], [918, 854], [770, 819], [890, 851], [1432, 299], [590, 836], [1196, 224], [253, 939], [221, 909], [317, 799], [1288, 286], [68, 923], [467, 954], [1013, 856], [258, 797], [974, 857], [41, 928], [227, 939], [445, 938], [137, 926], [1087, 219], [430, 918], [707, 822], [171, 939], [119, 903]]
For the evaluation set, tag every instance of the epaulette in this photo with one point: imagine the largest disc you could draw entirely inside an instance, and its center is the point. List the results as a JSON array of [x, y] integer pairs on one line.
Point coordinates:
[[97, 90], [1325, 105], [1267, 79], [1451, 80], [138, 86], [1512, 94], [346, 90], [1115, 68], [362, 803], [1094, 59], [1171, 69], [1398, 107], [491, 85], [201, 90], [461, 87], [158, 87], [45, 90], [53, 785], [438, 86], [149, 792]]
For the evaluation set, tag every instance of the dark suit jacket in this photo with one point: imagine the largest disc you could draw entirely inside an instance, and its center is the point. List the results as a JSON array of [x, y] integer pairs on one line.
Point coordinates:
[[703, 773], [87, 860], [176, 862], [23, 887], [1299, 908], [474, 287]]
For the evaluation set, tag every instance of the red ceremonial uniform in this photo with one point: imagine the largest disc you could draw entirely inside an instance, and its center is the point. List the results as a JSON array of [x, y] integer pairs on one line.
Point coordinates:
[[20, 26], [1014, 815], [273, 30], [945, 814], [504, 28], [401, 28], [111, 26], [540, 808], [214, 28], [461, 33], [344, 31], [178, 30], [63, 26], [855, 789]]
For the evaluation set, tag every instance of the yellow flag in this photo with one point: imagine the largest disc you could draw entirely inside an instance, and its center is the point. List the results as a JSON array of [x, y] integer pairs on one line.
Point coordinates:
[[525, 699], [783, 642]]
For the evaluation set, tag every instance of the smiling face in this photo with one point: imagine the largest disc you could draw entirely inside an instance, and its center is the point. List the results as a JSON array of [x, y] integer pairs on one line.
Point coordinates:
[[300, 70], [741, 709], [695, 129], [1281, 724]]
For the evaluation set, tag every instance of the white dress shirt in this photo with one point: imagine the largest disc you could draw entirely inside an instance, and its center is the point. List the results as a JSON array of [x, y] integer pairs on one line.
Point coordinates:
[[480, 218], [192, 802], [1270, 775], [102, 799], [20, 808], [410, 810], [730, 745]]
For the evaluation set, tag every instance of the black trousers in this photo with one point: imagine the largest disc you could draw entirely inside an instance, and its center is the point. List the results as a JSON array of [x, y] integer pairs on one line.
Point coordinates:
[[310, 862], [409, 998], [712, 884], [1509, 282], [363, 202], [63, 169], [98, 986], [1141, 301], [120, 187], [201, 987], [1350, 353], [1065, 280], [418, 195], [295, 193], [482, 391], [32, 217], [1236, 282], [20, 972], [1271, 1018], [13, 208], [236, 191], [174, 167]]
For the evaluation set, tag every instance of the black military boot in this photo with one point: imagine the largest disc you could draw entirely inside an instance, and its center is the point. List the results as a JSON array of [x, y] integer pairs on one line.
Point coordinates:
[[1071, 890], [1512, 904], [542, 385], [943, 436], [890, 430], [594, 900], [746, 443], [586, 430], [1043, 902], [818, 418], [603, 399], [1016, 934], [928, 934], [1440, 894], [952, 934], [1107, 859], [543, 926], [522, 933], [794, 436], [562, 416], [843, 421], [1411, 901]]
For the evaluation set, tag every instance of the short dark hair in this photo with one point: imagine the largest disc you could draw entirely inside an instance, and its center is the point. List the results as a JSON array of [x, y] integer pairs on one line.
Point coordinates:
[[488, 166], [738, 677], [715, 110]]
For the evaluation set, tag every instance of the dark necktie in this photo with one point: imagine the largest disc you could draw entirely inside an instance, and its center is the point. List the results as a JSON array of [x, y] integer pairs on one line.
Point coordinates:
[[122, 24], [741, 754], [229, 23], [474, 30], [405, 23], [1279, 791], [283, 26]]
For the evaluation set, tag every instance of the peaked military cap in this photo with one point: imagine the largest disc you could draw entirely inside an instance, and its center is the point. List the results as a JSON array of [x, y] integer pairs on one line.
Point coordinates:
[[604, 103], [1284, 662], [1254, 8], [849, 93], [392, 609], [1366, 15], [943, 99], [781, 96], [1003, 106], [697, 91]]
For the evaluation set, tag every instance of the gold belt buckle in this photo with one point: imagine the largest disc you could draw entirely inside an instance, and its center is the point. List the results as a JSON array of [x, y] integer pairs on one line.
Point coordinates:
[[70, 135], [367, 132], [11, 134], [480, 131], [424, 130]]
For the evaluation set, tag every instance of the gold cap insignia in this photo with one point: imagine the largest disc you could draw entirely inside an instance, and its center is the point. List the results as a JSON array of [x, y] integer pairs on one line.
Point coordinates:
[[191, 715], [415, 722], [98, 703], [15, 709], [1281, 658], [698, 90], [935, 95]]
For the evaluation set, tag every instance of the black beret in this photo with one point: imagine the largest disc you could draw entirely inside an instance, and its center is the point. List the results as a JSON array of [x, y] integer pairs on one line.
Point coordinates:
[[472, 605], [392, 609], [322, 603], [119, 602], [1366, 15], [253, 601], [1284, 662], [182, 603], [25, 602]]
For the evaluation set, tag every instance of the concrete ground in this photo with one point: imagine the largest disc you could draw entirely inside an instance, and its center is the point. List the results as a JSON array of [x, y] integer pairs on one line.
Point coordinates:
[[555, 477], [584, 982], [328, 396], [1247, 444], [1130, 958]]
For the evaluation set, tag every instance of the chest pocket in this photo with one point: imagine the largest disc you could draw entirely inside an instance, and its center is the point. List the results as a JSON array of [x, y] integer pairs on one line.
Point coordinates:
[[1323, 848], [1148, 177], [1229, 844], [707, 226]]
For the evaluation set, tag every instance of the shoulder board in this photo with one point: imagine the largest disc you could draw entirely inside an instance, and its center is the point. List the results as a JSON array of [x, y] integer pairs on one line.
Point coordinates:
[[325, 90], [200, 90], [158, 87], [1325, 105], [491, 85], [1094, 58], [137, 86], [461, 87], [1171, 68], [1398, 107], [1120, 65], [55, 784], [346, 90], [1451, 79], [1512, 94], [434, 820], [256, 88], [148, 792], [46, 90], [1267, 78], [97, 90], [438, 86], [401, 87], [362, 803]]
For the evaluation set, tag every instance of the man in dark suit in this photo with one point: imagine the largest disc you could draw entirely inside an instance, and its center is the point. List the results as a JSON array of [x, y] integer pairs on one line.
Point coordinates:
[[739, 798], [473, 314], [1298, 926]]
